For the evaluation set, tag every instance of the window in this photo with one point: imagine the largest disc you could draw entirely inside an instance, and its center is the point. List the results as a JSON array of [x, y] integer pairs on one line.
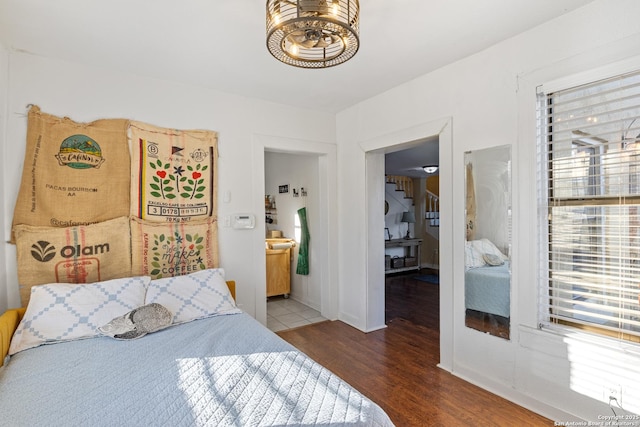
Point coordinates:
[[590, 195]]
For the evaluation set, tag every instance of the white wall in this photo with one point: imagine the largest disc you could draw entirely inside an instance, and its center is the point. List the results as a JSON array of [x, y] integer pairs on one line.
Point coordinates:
[[85, 93], [298, 171], [4, 81], [397, 205], [483, 97]]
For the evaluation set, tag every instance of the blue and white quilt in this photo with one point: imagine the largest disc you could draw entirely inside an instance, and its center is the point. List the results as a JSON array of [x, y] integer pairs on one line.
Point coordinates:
[[219, 371]]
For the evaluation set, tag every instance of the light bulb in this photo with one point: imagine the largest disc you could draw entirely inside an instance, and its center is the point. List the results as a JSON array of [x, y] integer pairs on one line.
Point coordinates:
[[276, 13], [430, 169]]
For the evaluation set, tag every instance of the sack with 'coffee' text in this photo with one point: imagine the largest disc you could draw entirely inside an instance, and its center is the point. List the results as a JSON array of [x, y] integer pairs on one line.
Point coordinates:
[[173, 249]]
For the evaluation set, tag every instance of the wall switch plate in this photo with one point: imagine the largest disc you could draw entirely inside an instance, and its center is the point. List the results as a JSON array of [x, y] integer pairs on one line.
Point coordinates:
[[243, 221]]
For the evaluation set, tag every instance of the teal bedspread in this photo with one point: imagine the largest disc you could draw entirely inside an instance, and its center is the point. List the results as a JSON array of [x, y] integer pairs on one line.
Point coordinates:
[[488, 289]]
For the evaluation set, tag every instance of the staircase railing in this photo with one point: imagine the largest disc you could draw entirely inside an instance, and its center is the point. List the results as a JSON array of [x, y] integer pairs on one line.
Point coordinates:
[[403, 183], [432, 211]]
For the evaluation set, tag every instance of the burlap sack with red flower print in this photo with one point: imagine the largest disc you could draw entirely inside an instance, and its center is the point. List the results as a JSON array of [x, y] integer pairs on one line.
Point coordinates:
[[74, 173], [173, 249], [173, 173]]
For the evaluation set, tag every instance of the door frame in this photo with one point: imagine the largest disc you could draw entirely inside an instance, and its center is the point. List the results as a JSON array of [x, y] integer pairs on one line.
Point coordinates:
[[374, 175], [328, 235]]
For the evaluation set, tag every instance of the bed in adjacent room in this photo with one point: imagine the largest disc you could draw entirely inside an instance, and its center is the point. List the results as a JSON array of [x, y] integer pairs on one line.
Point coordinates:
[[487, 279], [80, 357], [487, 289]]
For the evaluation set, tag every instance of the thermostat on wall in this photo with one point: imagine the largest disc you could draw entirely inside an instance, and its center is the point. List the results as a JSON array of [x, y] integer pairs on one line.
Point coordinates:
[[243, 221]]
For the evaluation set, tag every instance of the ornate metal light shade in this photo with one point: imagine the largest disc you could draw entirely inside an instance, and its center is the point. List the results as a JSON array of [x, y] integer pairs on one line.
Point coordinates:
[[313, 33]]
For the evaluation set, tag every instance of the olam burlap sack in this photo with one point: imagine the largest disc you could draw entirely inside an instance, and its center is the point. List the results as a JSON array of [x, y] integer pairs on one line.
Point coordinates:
[[74, 173], [82, 254], [173, 173], [173, 249]]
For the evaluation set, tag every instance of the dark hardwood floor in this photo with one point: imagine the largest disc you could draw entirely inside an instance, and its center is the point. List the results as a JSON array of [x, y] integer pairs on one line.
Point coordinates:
[[396, 366], [484, 322]]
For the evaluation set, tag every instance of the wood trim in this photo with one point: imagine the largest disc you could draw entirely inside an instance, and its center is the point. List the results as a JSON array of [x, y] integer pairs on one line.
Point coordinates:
[[232, 288]]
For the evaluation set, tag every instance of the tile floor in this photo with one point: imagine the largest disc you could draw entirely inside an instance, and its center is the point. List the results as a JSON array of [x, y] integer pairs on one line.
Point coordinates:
[[286, 313]]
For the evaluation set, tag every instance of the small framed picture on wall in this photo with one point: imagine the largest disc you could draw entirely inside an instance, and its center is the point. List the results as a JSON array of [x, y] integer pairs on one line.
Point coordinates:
[[283, 188]]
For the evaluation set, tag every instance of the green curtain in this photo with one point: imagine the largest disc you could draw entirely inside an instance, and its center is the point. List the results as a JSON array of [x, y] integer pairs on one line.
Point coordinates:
[[303, 252]]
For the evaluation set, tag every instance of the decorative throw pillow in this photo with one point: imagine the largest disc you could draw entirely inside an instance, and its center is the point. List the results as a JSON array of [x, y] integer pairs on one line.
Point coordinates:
[[62, 311], [486, 246], [193, 296], [492, 259], [138, 322]]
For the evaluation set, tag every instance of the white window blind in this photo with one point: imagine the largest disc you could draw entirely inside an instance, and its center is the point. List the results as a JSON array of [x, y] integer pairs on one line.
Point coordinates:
[[590, 196]]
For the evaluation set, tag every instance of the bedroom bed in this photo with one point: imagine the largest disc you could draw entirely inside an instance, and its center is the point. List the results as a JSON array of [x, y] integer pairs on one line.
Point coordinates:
[[488, 290], [215, 366], [487, 278]]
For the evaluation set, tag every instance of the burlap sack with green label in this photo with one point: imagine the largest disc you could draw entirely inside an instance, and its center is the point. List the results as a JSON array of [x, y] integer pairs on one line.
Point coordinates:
[[82, 254], [74, 173], [173, 173], [173, 249]]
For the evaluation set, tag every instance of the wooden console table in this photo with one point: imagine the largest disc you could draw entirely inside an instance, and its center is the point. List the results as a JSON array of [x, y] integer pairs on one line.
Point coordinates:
[[411, 248]]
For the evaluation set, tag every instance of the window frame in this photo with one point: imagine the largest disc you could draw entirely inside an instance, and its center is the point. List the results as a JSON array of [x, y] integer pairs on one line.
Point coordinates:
[[595, 199]]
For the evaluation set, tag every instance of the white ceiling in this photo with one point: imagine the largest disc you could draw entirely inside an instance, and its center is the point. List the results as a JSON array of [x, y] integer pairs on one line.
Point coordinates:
[[221, 43], [409, 161]]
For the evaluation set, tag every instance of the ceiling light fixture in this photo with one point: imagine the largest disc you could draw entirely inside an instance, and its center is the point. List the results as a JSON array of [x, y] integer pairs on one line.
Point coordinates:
[[430, 169], [313, 33]]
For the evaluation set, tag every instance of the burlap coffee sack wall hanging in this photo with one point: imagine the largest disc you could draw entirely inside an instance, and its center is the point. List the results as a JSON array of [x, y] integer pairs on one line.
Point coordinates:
[[73, 173], [173, 249], [81, 254], [173, 173]]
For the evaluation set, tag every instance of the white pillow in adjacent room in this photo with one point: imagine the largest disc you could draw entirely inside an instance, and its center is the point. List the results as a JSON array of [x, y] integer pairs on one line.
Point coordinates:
[[486, 246], [472, 257]]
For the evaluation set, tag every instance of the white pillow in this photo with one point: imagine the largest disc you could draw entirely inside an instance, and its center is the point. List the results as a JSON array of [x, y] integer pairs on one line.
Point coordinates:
[[193, 296], [493, 260], [472, 257], [486, 246], [65, 311]]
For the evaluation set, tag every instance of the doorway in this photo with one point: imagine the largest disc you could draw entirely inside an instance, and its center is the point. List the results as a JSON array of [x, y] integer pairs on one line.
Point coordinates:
[[411, 250], [375, 150], [325, 261], [291, 187]]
